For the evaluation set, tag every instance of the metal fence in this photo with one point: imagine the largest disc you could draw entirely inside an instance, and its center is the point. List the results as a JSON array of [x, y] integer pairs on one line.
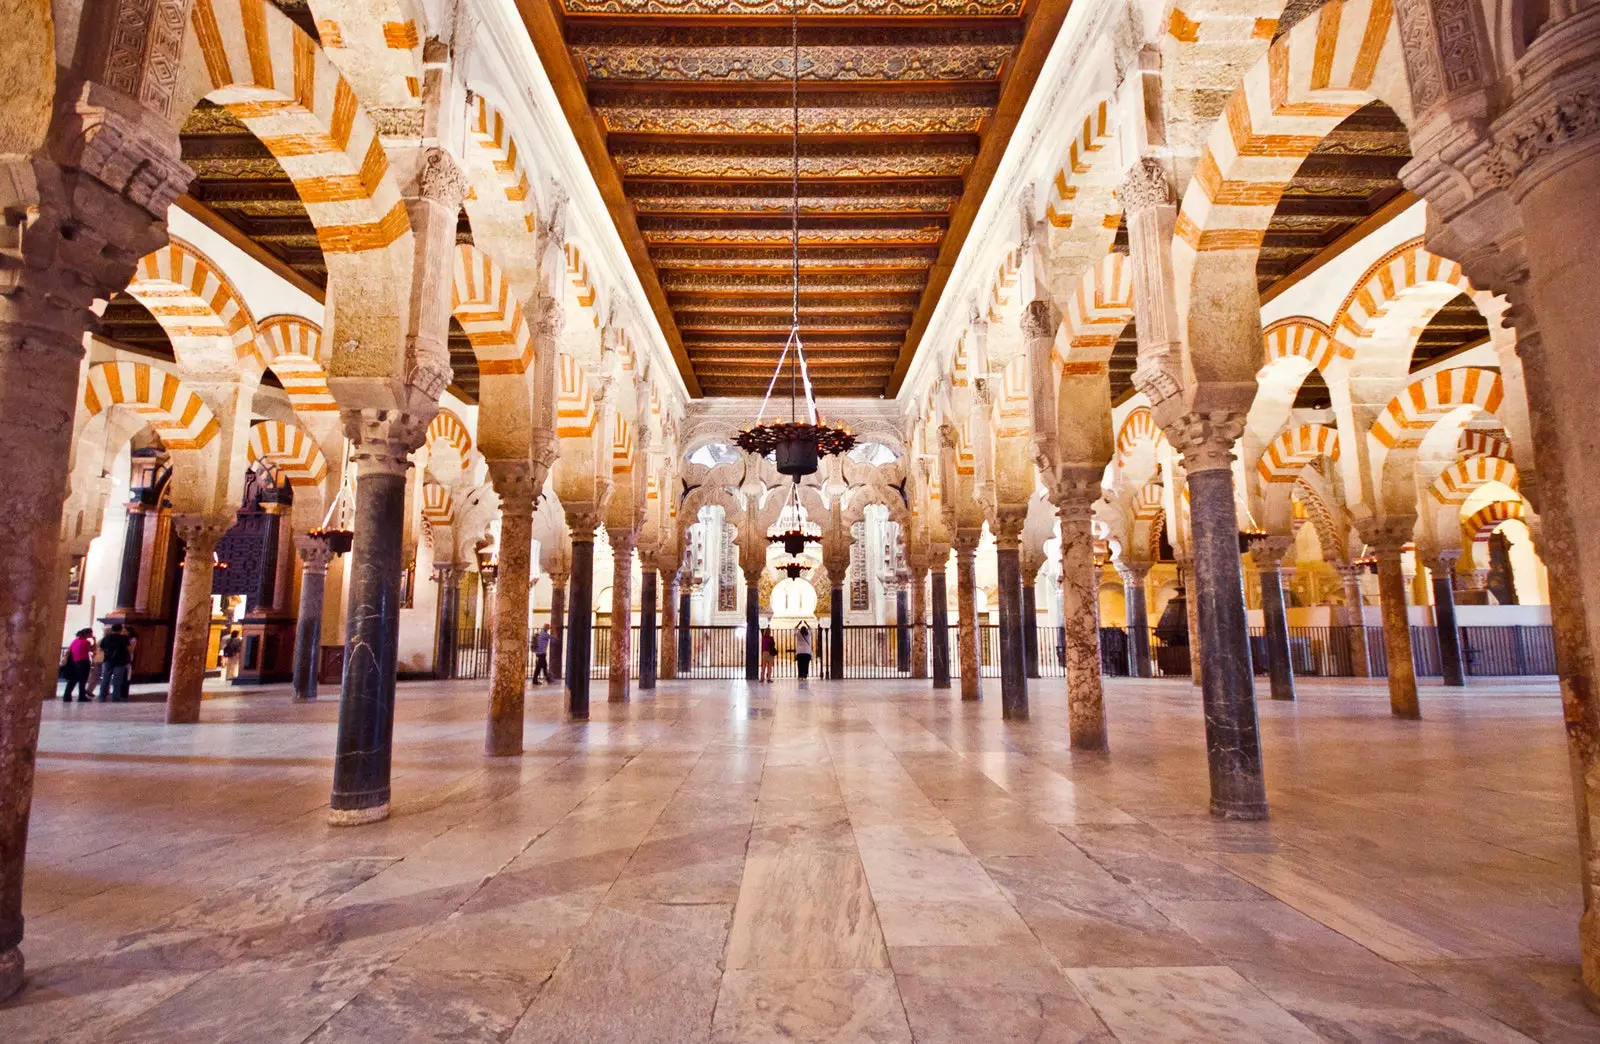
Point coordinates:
[[885, 651]]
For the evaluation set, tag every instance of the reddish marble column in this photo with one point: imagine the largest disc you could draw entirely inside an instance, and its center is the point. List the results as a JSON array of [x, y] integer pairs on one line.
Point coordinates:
[[968, 634], [619, 684], [1388, 538], [508, 672], [1080, 618], [1355, 622], [192, 627], [919, 618]]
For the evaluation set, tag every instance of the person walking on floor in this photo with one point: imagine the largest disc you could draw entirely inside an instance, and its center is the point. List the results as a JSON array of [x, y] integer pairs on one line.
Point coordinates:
[[80, 655], [232, 647], [117, 646], [541, 656], [802, 651], [769, 653]]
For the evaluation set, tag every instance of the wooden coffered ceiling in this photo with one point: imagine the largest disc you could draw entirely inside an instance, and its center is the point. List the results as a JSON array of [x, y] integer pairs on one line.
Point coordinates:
[[683, 110]]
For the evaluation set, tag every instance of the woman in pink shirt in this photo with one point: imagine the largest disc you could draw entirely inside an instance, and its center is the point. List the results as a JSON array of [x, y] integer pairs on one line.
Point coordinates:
[[80, 655]]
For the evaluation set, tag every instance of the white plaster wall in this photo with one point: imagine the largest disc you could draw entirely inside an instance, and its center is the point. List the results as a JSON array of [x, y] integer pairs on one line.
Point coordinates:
[[103, 567]]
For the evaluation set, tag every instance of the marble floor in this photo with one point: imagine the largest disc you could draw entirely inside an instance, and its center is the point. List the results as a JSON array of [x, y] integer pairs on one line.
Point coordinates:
[[848, 862]]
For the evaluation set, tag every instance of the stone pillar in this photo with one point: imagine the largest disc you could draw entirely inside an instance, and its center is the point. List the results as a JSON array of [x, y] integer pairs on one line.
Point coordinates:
[[558, 624], [1451, 655], [508, 670], [1191, 606], [685, 629], [618, 683], [446, 617], [1355, 620], [919, 618], [836, 628], [647, 628], [380, 444], [1137, 614], [192, 627], [1030, 561], [580, 611], [78, 222], [314, 559], [1268, 554], [939, 595], [752, 624], [1388, 538], [1233, 747], [1013, 674], [1080, 617], [132, 554], [967, 633]]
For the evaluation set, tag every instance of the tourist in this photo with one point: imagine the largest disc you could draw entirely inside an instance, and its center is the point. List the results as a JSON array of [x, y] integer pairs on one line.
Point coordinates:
[[117, 647], [769, 653], [80, 655], [541, 656], [802, 651], [232, 647]]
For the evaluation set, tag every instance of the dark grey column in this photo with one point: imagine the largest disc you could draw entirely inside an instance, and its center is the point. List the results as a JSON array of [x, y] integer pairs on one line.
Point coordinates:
[[1233, 746], [647, 627], [941, 624], [836, 632], [314, 558], [1451, 654], [362, 749], [752, 629], [1268, 555], [580, 614], [1030, 628], [448, 580], [132, 555], [685, 630], [1013, 678], [558, 625], [902, 630], [1137, 614]]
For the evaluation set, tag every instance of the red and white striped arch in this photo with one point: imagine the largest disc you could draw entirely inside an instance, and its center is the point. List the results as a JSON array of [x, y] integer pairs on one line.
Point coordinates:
[[1095, 316], [491, 132], [177, 414], [489, 313], [294, 452], [1408, 283], [1476, 442], [293, 348], [1288, 454], [1411, 414], [197, 307], [1457, 482], [1303, 338], [1138, 429], [447, 429], [1085, 150], [575, 413], [438, 507], [1483, 522]]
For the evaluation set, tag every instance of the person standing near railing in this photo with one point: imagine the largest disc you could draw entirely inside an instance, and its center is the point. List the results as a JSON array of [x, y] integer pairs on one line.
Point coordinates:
[[769, 654], [541, 656], [802, 651]]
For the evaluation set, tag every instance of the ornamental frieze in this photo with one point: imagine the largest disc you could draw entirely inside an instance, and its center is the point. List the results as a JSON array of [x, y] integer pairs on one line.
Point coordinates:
[[741, 64], [810, 7]]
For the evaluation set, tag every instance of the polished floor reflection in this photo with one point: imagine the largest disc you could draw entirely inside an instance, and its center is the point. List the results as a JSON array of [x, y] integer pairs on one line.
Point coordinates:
[[849, 862]]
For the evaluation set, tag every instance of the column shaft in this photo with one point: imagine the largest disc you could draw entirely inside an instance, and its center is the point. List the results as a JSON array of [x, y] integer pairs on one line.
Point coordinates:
[[1233, 747], [647, 629], [1279, 664], [1138, 622], [1030, 629], [508, 670], [940, 597], [618, 683], [752, 630], [1013, 674], [836, 632], [1086, 712], [902, 632], [919, 625], [446, 611], [362, 750], [967, 633], [1355, 622], [132, 559], [558, 629], [1444, 620], [1397, 635], [192, 626], [580, 623], [308, 628], [685, 630]]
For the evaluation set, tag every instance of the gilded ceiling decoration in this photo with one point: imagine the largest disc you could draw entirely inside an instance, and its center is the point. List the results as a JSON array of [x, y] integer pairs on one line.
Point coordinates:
[[693, 101]]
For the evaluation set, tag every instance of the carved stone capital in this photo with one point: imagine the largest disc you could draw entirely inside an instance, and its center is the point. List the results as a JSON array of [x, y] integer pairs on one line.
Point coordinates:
[[1144, 186], [1074, 491], [1387, 534], [1269, 551], [584, 519], [199, 533], [399, 121], [314, 552], [382, 440], [1206, 440], [1039, 320], [547, 319], [127, 148], [623, 541], [441, 180], [1006, 522], [514, 482], [947, 436], [1132, 572], [447, 574]]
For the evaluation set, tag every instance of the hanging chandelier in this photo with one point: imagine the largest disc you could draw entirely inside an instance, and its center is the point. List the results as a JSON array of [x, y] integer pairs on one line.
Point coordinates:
[[795, 538], [794, 567], [798, 444]]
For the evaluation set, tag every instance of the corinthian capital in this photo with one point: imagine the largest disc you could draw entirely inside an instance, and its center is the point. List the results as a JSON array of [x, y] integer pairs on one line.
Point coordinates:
[[1145, 185], [441, 180], [1206, 440]]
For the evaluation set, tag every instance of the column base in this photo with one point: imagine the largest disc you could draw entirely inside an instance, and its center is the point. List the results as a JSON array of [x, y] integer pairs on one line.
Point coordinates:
[[348, 817], [10, 972], [1244, 812], [1405, 715], [1014, 714]]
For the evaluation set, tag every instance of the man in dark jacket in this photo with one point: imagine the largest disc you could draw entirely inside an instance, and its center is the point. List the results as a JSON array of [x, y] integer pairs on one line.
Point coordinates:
[[117, 647]]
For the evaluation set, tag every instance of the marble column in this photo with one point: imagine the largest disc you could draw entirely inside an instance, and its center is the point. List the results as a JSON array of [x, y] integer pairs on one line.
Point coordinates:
[[836, 628], [1080, 613], [1137, 615], [1013, 673], [132, 554], [618, 683], [446, 614], [192, 626], [1388, 538], [508, 670], [902, 633], [1268, 553], [752, 625], [1029, 562], [580, 611], [1451, 655], [1191, 607], [558, 624], [363, 746], [314, 559], [939, 596], [685, 628], [1355, 623], [1233, 746], [919, 620], [647, 627], [967, 633]]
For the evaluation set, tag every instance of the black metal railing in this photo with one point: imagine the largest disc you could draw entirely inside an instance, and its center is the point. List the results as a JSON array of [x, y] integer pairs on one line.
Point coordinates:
[[878, 651]]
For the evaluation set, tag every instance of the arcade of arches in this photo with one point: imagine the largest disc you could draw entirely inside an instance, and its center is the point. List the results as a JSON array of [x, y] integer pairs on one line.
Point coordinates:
[[1197, 352]]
